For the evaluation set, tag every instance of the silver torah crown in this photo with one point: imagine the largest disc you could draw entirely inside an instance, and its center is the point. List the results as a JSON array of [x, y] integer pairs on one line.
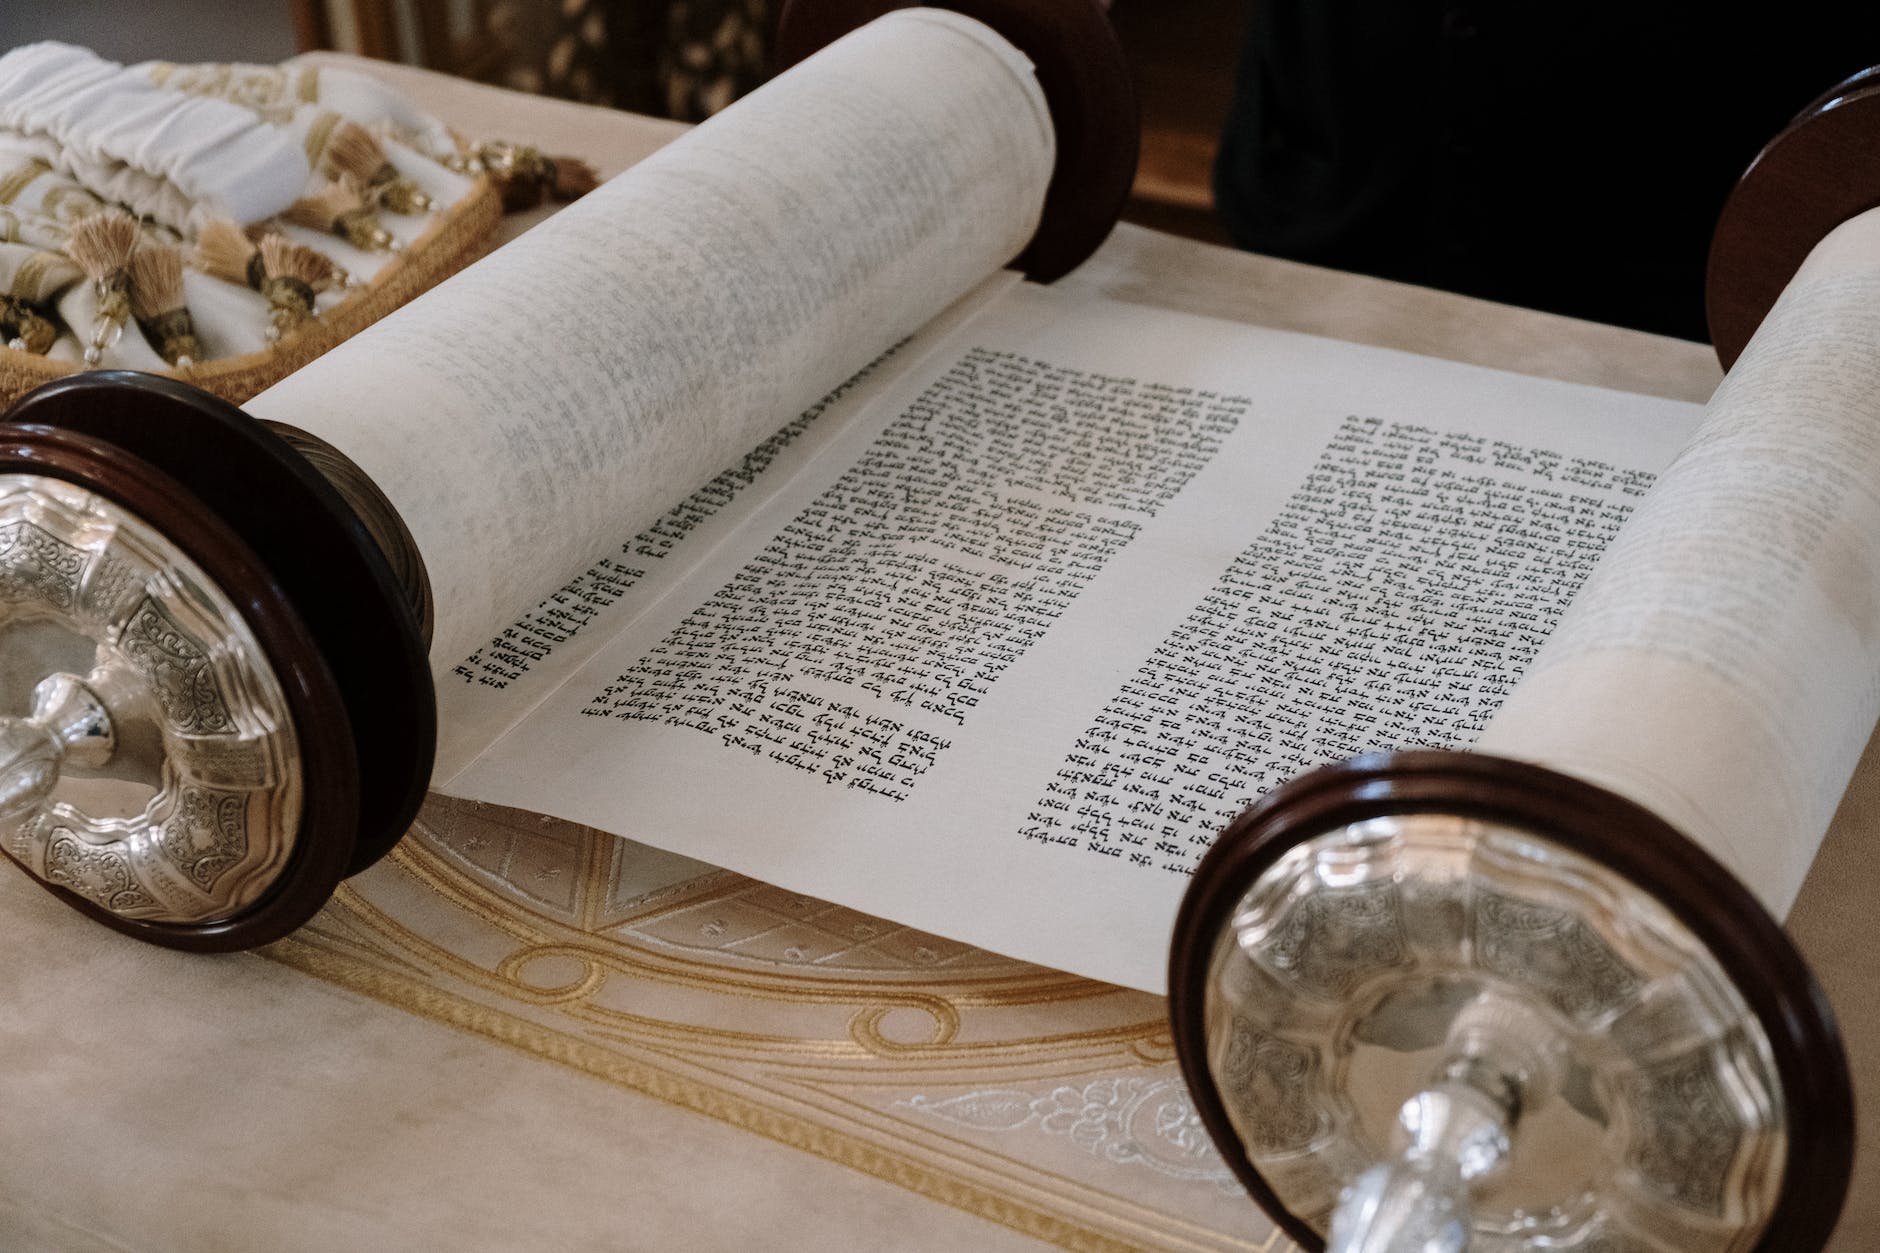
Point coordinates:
[[149, 764], [1433, 1033]]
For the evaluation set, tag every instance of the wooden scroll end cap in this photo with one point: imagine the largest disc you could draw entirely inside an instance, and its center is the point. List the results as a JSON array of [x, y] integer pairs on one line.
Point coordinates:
[[1823, 169], [100, 884], [1086, 83], [1639, 847], [316, 559]]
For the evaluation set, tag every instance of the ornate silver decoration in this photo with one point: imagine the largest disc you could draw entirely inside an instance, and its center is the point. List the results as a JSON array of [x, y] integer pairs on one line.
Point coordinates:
[[207, 835], [1276, 1078], [177, 667], [100, 875], [1338, 935], [113, 577], [1690, 1139], [157, 774], [1553, 951], [35, 565], [1475, 1036]]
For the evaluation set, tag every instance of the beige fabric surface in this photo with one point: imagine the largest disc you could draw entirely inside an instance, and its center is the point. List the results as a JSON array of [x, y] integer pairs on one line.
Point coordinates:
[[517, 1033]]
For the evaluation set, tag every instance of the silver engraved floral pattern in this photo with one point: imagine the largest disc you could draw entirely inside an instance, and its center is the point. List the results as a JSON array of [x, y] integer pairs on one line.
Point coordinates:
[[101, 875], [1334, 937], [1553, 952], [177, 666], [1690, 1133], [22, 840], [1130, 1120], [1514, 946], [192, 812], [1272, 1084], [35, 565], [207, 834], [111, 584]]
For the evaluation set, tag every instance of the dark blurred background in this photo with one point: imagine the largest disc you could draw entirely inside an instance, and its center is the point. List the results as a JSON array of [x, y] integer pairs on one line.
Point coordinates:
[[1566, 157], [156, 30]]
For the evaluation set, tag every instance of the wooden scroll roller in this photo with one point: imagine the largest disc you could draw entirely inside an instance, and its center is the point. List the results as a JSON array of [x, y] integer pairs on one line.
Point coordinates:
[[1818, 173], [312, 560], [1537, 995], [238, 616]]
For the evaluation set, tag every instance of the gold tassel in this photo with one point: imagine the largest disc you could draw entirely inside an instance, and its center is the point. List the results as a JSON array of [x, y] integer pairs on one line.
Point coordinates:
[[339, 209], [574, 178], [157, 302], [526, 176], [292, 275], [352, 153], [24, 328], [224, 251], [102, 244]]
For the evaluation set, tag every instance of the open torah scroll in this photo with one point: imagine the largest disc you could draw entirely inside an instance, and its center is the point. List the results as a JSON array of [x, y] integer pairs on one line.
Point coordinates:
[[1000, 603]]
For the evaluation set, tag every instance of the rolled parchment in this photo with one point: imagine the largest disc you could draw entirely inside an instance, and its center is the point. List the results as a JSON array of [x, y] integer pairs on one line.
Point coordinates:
[[573, 386], [1721, 666]]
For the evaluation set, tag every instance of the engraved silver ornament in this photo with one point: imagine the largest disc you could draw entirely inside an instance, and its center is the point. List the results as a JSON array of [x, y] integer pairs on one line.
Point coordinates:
[[148, 762], [1432, 1033]]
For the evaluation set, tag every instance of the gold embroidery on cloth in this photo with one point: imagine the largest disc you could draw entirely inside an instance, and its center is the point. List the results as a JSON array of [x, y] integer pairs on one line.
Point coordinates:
[[19, 178], [1044, 1102], [270, 91]]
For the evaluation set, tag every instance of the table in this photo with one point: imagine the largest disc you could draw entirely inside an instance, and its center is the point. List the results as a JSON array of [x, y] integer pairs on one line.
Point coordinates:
[[520, 1033]]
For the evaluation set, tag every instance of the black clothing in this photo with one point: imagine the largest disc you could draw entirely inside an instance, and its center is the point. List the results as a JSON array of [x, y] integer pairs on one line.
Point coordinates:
[[1571, 157]]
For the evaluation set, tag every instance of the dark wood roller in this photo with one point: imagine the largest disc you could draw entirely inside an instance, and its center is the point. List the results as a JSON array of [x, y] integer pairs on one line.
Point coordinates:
[[1823, 169]]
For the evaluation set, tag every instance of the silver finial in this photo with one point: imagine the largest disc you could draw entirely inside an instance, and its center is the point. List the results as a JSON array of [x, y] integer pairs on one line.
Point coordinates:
[[1456, 1134], [1433, 1033], [68, 723], [150, 764]]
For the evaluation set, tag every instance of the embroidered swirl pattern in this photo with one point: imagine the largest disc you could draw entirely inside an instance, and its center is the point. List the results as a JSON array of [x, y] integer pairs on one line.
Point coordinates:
[[269, 90], [1127, 1120]]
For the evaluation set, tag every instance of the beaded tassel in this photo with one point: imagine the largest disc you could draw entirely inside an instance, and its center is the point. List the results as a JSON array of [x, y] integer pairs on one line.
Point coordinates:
[[156, 276], [352, 153], [24, 328], [102, 245], [224, 251], [526, 176], [339, 209], [290, 275]]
